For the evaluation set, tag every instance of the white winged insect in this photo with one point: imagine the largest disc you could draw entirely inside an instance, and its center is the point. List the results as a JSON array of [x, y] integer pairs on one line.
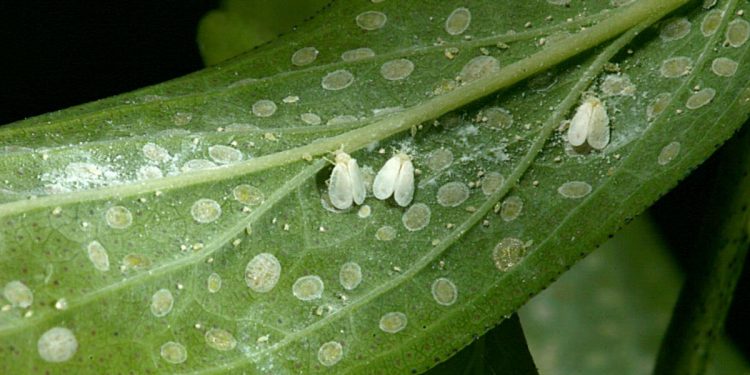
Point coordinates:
[[395, 178], [346, 185], [590, 125]]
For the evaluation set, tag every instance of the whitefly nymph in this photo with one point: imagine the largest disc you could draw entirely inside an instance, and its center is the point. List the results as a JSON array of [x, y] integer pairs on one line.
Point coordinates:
[[590, 125], [346, 185], [395, 178]]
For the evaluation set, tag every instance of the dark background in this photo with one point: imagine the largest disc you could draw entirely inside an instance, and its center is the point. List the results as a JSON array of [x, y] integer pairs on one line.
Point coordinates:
[[61, 53], [684, 218]]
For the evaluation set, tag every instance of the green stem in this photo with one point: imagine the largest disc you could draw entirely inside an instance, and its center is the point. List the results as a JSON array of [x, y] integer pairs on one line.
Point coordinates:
[[701, 309]]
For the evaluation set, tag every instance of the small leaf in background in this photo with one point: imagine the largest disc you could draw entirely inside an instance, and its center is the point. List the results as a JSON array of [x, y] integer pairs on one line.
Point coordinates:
[[705, 298], [502, 350], [240, 26], [609, 313], [207, 197]]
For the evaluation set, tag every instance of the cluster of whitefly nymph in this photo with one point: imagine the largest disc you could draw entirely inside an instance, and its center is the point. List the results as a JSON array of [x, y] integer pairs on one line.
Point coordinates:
[[346, 185]]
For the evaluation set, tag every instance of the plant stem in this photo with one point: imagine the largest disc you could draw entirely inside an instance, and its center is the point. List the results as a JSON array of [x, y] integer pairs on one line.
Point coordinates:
[[701, 309]]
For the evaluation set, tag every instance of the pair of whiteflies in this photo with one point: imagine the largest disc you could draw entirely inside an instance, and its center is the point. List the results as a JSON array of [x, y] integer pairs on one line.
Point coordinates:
[[347, 187]]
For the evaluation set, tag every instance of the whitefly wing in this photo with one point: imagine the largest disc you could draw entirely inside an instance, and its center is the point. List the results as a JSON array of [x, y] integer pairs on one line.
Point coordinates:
[[404, 188], [385, 180], [358, 184], [340, 187], [579, 125], [598, 132]]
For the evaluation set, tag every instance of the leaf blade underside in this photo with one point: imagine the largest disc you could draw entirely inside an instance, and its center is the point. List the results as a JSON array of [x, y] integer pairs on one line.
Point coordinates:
[[83, 161]]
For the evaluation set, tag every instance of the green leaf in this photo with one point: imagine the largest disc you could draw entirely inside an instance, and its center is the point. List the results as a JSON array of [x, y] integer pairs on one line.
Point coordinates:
[[84, 182]]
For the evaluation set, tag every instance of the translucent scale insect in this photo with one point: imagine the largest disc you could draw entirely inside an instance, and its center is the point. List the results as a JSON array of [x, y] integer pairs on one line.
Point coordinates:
[[346, 185], [590, 125], [395, 178]]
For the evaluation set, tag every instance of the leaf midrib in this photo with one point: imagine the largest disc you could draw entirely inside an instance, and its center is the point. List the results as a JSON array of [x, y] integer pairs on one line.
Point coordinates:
[[209, 248], [249, 81], [548, 128], [359, 138], [605, 56], [353, 140]]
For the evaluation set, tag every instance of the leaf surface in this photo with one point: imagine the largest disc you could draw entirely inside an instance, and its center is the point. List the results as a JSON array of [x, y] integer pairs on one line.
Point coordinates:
[[203, 178]]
